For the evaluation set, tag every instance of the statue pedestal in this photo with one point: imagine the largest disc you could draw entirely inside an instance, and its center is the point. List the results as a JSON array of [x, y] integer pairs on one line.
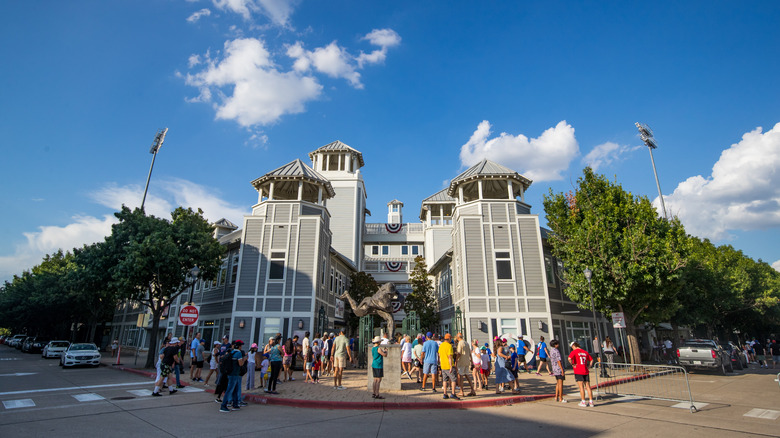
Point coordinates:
[[391, 365]]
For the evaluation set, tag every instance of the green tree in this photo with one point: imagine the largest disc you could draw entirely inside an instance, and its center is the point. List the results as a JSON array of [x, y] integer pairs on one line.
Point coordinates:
[[422, 299], [153, 257], [361, 285], [636, 257]]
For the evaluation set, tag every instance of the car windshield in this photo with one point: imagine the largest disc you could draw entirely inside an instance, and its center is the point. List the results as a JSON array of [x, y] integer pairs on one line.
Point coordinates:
[[59, 344], [83, 347]]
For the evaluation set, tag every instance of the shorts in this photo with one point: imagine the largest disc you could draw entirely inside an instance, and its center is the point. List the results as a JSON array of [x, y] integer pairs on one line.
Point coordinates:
[[165, 370], [449, 375], [287, 360], [378, 372], [308, 365], [760, 357], [513, 373], [521, 358], [463, 370], [340, 361], [213, 365], [430, 368], [199, 364], [542, 359], [582, 377], [775, 359], [484, 372], [561, 377]]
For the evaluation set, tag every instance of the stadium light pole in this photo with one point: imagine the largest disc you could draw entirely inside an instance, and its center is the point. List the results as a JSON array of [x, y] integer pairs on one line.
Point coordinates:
[[646, 134], [159, 138]]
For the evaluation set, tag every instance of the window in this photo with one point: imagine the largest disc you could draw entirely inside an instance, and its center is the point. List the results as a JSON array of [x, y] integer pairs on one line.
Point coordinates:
[[385, 250], [415, 249], [234, 269], [375, 250], [548, 267], [404, 250], [509, 326], [276, 271], [503, 266], [223, 273], [197, 285], [395, 207]]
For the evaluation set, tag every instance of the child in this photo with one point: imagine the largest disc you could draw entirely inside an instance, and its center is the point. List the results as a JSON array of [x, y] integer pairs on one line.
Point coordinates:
[[264, 370], [558, 371], [315, 370], [485, 366], [307, 365]]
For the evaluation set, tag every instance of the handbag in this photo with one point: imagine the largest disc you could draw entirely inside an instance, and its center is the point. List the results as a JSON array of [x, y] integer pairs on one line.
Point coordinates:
[[416, 363]]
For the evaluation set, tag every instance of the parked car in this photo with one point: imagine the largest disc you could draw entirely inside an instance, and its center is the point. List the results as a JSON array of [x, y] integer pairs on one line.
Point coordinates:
[[35, 344], [80, 354], [704, 354], [54, 349], [15, 340], [738, 360], [19, 345]]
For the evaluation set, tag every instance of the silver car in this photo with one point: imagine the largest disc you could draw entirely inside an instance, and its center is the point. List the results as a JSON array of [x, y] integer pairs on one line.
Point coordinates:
[[80, 354], [54, 349]]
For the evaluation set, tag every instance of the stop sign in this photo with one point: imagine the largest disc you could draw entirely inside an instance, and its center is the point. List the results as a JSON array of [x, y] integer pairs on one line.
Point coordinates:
[[188, 315]]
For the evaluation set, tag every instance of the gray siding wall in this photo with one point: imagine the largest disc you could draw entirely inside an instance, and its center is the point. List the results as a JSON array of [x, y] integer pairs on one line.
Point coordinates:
[[250, 257], [474, 258], [342, 211], [306, 268], [531, 251]]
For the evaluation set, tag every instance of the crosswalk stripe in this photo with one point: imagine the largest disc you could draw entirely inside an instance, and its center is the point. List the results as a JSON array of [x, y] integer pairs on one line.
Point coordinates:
[[140, 392], [88, 397], [22, 403], [766, 414]]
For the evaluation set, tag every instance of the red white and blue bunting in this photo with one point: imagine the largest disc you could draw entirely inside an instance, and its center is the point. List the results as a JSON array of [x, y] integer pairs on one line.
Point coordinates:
[[394, 266], [393, 228]]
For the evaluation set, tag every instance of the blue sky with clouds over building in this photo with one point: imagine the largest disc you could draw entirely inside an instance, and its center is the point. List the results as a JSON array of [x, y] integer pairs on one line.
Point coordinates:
[[423, 89]]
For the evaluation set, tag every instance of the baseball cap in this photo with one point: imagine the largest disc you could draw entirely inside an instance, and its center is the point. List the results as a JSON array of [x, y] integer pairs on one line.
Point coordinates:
[[216, 342], [174, 340], [238, 342], [429, 335], [254, 345], [483, 348], [486, 344]]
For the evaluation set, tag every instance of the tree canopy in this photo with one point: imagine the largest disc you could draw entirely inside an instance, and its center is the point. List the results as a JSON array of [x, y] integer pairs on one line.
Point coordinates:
[[422, 299]]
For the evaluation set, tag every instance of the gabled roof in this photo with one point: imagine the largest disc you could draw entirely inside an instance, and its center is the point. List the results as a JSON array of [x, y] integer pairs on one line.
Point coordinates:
[[395, 201], [224, 223], [486, 169], [337, 146], [439, 197], [293, 170]]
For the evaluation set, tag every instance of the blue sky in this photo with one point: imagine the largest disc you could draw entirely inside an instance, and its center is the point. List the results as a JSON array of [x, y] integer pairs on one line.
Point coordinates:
[[422, 89]]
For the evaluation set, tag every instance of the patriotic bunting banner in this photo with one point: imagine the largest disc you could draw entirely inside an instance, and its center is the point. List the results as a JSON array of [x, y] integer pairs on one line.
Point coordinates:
[[394, 266], [393, 228]]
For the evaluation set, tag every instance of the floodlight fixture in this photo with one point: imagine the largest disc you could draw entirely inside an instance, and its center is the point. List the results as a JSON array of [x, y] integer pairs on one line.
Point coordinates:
[[646, 134], [159, 138]]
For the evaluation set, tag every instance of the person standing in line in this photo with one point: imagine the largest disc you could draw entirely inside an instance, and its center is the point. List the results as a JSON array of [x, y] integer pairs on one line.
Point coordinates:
[[463, 363], [222, 380], [581, 361], [193, 356], [448, 367], [417, 358], [513, 366], [288, 349], [331, 366], [430, 355], [233, 361], [213, 364], [324, 355], [305, 348], [274, 352], [476, 364], [251, 359], [406, 356], [542, 353], [200, 352], [377, 366], [760, 351], [558, 370], [308, 362], [315, 369], [502, 373], [774, 350], [341, 353], [484, 366], [609, 351]]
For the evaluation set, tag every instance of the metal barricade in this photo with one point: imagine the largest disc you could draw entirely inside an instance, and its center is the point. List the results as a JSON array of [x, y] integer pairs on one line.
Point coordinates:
[[660, 382]]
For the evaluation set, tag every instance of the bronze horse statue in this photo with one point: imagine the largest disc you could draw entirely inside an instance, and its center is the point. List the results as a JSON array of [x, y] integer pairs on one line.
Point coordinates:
[[381, 303]]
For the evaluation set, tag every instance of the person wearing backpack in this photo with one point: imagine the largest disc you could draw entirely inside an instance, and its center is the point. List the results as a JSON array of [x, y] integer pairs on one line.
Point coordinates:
[[231, 367]]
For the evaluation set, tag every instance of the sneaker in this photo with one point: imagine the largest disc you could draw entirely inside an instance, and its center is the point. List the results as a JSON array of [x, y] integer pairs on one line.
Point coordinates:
[[538, 374], [590, 403], [217, 400], [156, 394], [341, 387], [180, 386], [445, 397], [173, 391], [583, 404], [292, 378], [200, 380], [235, 408], [563, 400], [454, 397], [243, 404], [224, 410]]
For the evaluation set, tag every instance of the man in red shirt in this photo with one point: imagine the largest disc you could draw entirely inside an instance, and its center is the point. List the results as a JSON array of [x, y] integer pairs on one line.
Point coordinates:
[[581, 361]]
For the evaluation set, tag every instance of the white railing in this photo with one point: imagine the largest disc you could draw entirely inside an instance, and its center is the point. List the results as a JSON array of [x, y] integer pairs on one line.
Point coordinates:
[[406, 229], [661, 382]]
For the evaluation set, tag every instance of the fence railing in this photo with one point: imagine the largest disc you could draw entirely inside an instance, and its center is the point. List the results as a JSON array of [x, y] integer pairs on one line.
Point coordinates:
[[660, 382]]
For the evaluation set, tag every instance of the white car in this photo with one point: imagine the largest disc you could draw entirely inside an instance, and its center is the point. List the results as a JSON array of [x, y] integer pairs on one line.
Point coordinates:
[[54, 349], [80, 354]]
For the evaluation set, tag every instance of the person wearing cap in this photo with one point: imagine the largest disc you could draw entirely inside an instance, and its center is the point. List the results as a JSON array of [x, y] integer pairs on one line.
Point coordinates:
[[449, 371], [522, 350], [581, 361], [251, 358], [484, 366], [341, 353], [542, 353], [213, 364], [377, 365], [233, 392], [198, 358], [168, 359], [430, 355]]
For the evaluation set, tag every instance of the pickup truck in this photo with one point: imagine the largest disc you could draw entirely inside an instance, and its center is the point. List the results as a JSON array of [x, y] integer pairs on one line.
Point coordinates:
[[704, 354]]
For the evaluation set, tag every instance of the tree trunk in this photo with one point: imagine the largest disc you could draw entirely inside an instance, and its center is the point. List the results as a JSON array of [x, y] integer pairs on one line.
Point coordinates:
[[633, 343], [153, 354]]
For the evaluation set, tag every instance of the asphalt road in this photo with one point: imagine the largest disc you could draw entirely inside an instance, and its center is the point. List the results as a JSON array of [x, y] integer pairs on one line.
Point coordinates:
[[38, 398]]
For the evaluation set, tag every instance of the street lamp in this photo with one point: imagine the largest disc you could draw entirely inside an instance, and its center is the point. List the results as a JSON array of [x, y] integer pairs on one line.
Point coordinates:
[[646, 134], [159, 138], [193, 276], [588, 274]]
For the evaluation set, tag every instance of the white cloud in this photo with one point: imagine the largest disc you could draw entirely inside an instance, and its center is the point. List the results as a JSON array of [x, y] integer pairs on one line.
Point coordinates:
[[165, 196], [605, 154], [742, 193], [776, 265], [248, 86], [197, 14], [383, 38], [540, 159], [278, 11], [331, 60]]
